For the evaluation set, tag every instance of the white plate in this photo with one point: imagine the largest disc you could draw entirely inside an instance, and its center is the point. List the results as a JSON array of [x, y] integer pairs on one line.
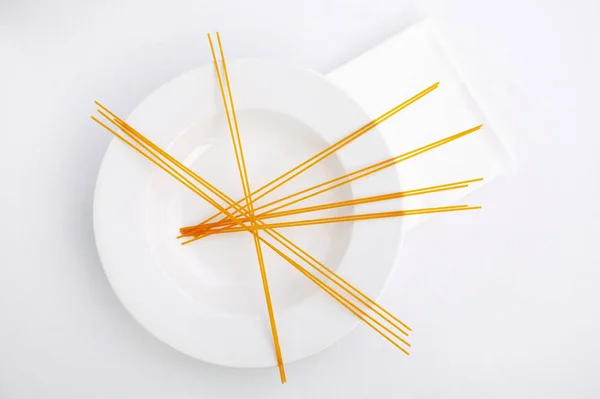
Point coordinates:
[[206, 299]]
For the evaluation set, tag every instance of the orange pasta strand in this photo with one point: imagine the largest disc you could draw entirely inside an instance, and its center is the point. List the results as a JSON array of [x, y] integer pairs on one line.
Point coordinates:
[[282, 240], [241, 164], [290, 174], [206, 229], [358, 174], [348, 218]]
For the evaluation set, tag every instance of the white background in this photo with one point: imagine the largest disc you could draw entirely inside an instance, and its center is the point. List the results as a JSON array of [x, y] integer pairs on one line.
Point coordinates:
[[504, 302]]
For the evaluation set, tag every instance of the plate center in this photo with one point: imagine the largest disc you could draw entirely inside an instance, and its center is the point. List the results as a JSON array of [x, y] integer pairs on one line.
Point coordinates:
[[221, 271]]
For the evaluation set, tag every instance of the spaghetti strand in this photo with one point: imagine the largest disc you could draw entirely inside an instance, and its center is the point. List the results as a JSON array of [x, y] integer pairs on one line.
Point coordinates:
[[241, 164], [137, 137], [196, 231], [290, 174]]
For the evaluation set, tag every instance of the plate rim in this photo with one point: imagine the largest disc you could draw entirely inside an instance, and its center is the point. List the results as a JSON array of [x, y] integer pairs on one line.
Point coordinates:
[[96, 224]]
